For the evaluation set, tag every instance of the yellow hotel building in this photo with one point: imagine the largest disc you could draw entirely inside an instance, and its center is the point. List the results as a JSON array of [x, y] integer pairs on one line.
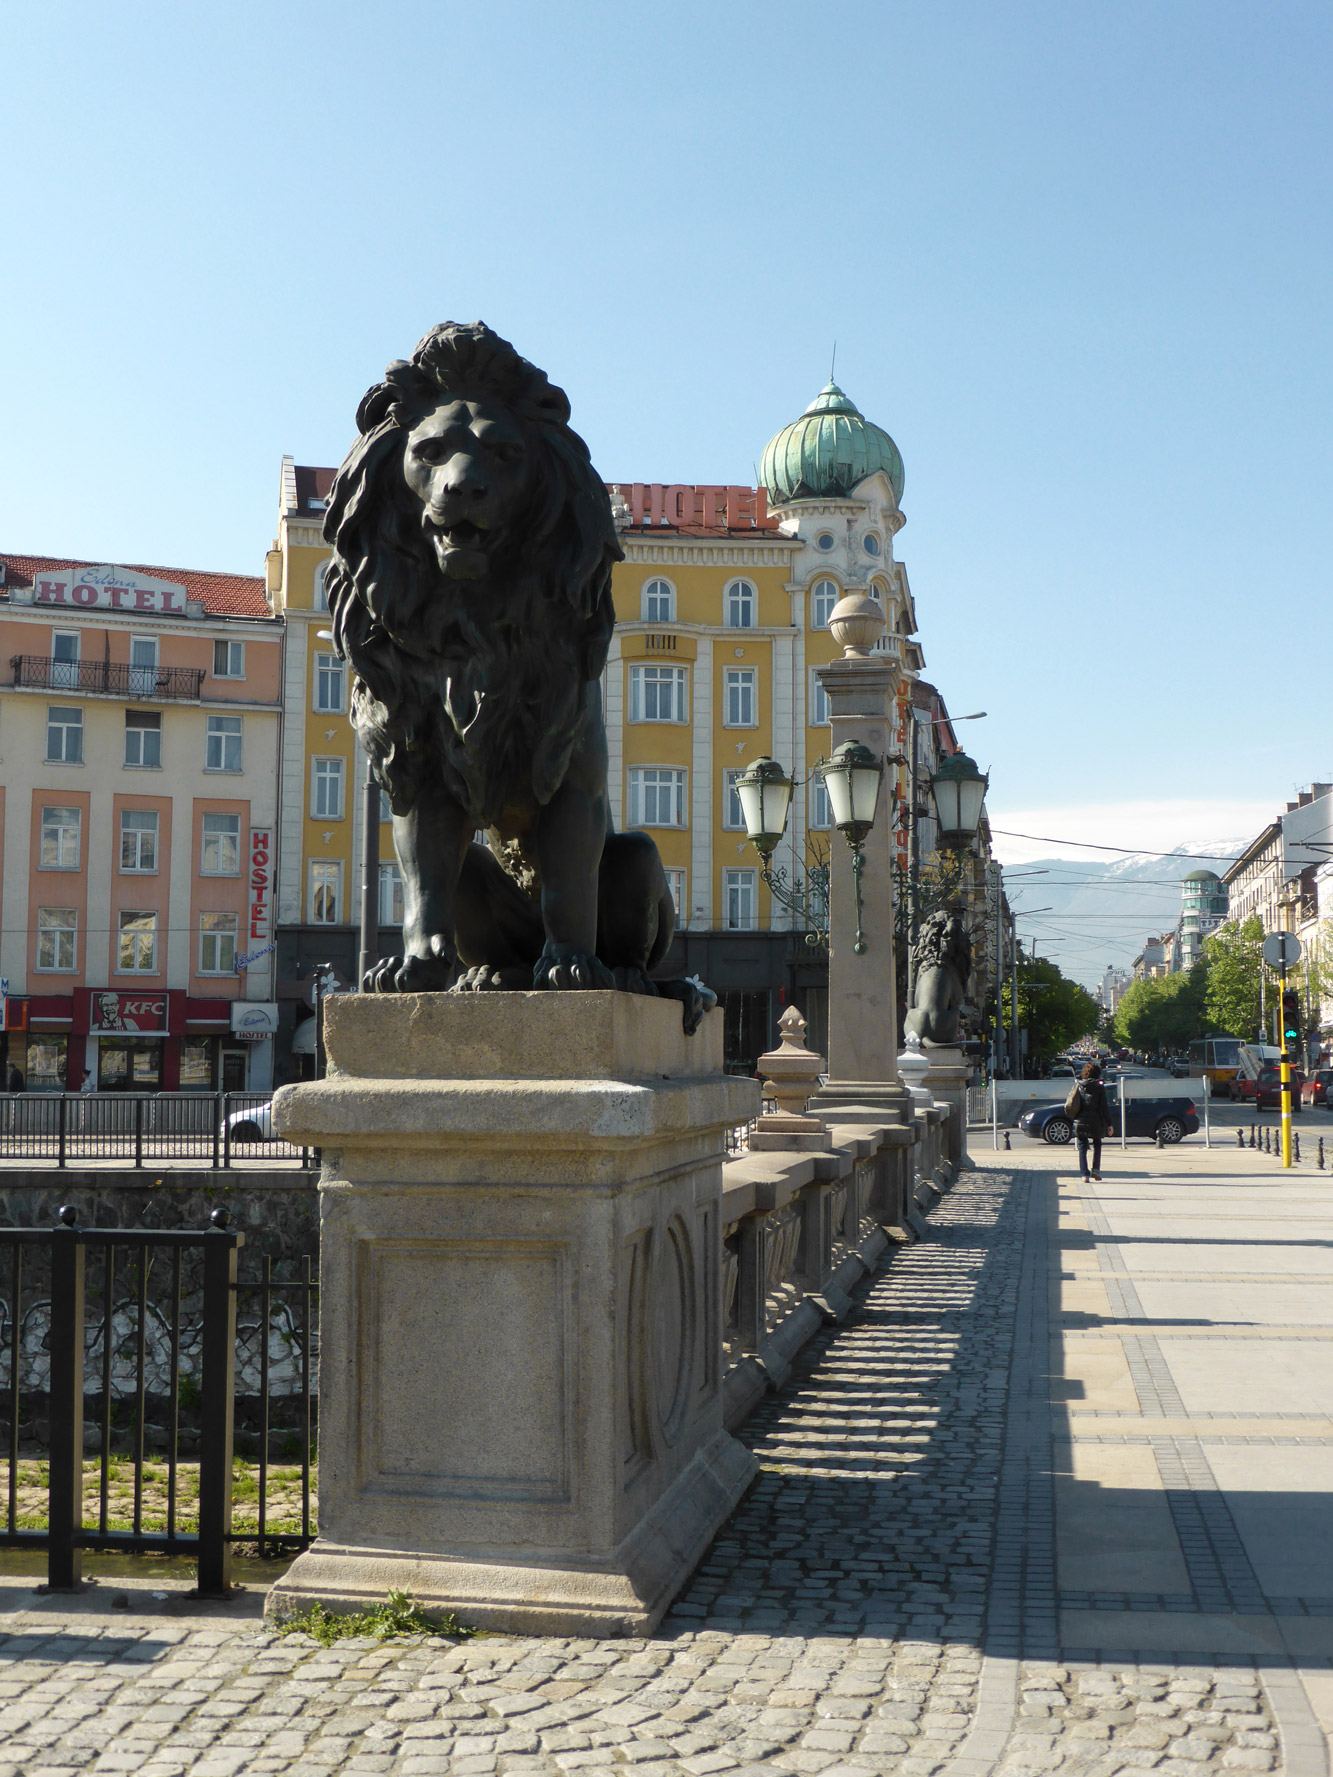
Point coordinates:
[[722, 606]]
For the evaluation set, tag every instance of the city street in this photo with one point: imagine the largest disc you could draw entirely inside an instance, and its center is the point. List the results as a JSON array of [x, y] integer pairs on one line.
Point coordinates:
[[1058, 1495]]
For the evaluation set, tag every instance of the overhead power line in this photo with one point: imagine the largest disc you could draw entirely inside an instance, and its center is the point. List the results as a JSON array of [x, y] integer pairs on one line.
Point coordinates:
[[1127, 851]]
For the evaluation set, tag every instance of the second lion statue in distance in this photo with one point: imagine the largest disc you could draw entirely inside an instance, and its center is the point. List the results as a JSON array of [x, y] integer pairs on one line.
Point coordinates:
[[470, 592]]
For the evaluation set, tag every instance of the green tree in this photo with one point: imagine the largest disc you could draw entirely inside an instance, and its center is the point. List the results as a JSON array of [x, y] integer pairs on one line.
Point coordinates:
[[1054, 1010], [1234, 961], [1162, 1012]]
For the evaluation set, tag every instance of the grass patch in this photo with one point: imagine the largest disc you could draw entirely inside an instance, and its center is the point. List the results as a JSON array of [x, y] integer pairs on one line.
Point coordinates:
[[284, 1496], [398, 1615]]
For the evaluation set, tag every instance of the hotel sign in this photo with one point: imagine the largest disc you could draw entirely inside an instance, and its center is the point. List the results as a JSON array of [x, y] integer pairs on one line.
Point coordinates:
[[107, 589]]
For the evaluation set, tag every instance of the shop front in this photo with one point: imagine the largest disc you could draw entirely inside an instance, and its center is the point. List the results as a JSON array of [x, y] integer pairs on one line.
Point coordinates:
[[159, 1041]]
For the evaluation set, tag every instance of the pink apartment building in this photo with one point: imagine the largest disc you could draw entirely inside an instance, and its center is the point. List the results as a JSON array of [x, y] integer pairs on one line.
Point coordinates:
[[140, 714]]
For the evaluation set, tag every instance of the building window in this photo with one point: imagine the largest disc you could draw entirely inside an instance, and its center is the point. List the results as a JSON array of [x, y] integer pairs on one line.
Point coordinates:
[[676, 883], [870, 543], [64, 735], [659, 601], [824, 541], [138, 841], [138, 944], [325, 893], [143, 666], [738, 603], [217, 944], [819, 814], [223, 745], [823, 596], [656, 797], [64, 659], [57, 934], [740, 697], [329, 672], [732, 817], [821, 710], [321, 598], [658, 694], [740, 900], [143, 739], [220, 854], [61, 828], [326, 789], [229, 660], [391, 895]]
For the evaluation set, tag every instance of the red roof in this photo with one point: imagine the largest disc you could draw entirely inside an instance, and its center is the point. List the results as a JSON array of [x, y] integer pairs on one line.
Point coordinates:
[[222, 595]]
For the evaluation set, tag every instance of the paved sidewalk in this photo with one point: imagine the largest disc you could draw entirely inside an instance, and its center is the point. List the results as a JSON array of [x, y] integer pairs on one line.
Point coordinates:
[[1057, 1497]]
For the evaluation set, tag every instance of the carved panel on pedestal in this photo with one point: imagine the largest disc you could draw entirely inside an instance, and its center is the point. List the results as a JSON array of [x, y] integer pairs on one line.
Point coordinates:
[[468, 1353], [636, 1289], [676, 1326]]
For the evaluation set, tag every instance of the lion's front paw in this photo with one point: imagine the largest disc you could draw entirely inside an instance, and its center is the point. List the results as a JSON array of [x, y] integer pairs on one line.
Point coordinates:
[[484, 978], [565, 967], [409, 974]]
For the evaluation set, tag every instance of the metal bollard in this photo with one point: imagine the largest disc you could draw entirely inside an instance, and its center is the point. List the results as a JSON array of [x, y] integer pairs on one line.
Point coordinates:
[[1007, 1148], [1240, 1138], [1160, 1142], [1251, 1134], [1321, 1154], [1295, 1144]]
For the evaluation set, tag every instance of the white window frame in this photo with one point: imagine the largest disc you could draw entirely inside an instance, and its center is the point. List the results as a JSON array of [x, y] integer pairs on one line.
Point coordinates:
[[733, 817], [643, 794], [65, 670], [224, 730], [217, 944], [137, 835], [740, 604], [677, 882], [66, 726], [653, 592], [646, 685], [391, 895], [328, 788], [741, 684], [143, 673], [818, 809], [217, 836], [326, 874], [739, 887], [329, 671], [821, 603], [146, 722], [319, 599], [820, 707], [142, 940], [232, 654], [61, 829], [66, 929]]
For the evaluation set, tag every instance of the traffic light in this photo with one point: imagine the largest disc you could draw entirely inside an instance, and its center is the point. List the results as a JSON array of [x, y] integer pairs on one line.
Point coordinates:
[[1291, 1021]]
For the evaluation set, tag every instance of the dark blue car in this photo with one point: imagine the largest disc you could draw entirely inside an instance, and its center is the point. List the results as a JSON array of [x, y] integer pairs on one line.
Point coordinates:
[[1171, 1118]]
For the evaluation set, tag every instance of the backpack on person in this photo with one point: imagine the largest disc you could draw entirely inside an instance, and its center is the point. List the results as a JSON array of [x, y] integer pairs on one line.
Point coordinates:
[[1074, 1103]]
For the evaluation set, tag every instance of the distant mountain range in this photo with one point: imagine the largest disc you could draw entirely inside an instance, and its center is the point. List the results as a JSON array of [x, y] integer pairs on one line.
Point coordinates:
[[1088, 915]]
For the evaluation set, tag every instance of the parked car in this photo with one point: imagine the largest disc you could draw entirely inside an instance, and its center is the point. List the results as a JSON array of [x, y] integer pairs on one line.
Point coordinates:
[[1178, 1067], [252, 1124], [1171, 1118], [1268, 1089], [1061, 1070], [1315, 1089]]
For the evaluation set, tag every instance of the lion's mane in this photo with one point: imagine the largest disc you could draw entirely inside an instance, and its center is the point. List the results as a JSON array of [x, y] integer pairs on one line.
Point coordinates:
[[943, 940], [532, 635]]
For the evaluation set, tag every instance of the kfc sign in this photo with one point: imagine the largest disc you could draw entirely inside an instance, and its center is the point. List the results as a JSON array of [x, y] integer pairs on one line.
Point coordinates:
[[107, 589], [143, 1013], [261, 882]]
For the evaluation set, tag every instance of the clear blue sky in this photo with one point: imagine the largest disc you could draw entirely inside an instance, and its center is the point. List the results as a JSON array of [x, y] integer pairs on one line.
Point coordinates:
[[1075, 257]]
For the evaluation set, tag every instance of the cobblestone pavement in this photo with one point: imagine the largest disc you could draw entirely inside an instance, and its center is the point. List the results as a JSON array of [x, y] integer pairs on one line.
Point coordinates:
[[900, 1523]]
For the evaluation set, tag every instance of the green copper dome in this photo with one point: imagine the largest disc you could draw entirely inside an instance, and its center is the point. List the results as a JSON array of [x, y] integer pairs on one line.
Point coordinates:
[[827, 452]]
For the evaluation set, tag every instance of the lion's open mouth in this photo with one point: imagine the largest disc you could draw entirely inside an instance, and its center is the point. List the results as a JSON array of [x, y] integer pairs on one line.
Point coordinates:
[[462, 535]]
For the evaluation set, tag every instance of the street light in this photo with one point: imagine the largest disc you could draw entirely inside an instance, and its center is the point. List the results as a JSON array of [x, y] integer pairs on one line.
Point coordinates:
[[958, 790], [853, 778]]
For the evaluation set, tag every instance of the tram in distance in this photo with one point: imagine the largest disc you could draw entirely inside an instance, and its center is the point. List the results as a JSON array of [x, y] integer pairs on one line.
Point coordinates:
[[1216, 1059]]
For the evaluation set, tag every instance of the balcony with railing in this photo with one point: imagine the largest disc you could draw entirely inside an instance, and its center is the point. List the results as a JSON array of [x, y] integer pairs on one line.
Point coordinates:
[[107, 678]]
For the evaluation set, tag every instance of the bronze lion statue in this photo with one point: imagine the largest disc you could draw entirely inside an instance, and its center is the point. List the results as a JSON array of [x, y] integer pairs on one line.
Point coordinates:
[[470, 593], [943, 955]]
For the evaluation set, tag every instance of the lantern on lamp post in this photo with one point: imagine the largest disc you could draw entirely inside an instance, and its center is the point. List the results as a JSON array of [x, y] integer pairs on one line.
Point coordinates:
[[853, 778], [958, 790]]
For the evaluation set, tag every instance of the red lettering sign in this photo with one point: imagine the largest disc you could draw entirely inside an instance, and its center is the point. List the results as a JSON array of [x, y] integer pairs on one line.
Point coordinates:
[[696, 508], [128, 1011], [260, 845], [50, 592]]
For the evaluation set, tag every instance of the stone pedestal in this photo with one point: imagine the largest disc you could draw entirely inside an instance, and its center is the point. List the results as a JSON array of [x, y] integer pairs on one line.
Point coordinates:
[[946, 1081], [520, 1307]]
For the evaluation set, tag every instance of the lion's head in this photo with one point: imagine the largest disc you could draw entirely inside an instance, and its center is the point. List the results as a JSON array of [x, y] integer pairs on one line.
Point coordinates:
[[470, 587], [944, 940]]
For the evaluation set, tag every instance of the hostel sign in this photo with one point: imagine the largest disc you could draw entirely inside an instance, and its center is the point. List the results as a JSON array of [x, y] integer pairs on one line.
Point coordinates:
[[107, 589], [261, 883]]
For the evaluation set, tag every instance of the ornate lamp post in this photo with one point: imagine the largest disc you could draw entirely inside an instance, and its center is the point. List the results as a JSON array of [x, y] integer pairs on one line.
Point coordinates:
[[958, 790], [853, 778]]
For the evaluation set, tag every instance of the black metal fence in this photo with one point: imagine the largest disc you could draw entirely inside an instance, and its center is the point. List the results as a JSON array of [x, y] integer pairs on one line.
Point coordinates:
[[116, 677], [138, 1378], [78, 1129]]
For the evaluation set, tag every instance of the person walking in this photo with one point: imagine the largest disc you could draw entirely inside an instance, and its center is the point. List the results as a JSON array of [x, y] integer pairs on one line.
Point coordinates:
[[1092, 1118]]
